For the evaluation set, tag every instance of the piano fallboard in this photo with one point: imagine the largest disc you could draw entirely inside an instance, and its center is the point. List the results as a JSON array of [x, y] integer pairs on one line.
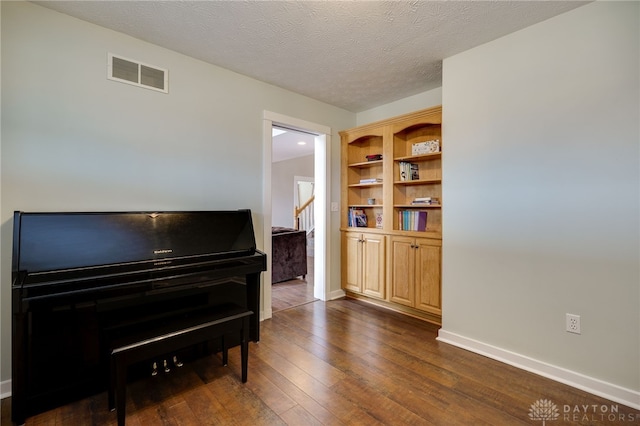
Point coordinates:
[[96, 283]]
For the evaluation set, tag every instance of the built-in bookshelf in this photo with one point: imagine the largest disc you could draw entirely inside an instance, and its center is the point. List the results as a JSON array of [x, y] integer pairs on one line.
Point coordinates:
[[418, 144], [364, 173], [391, 167], [391, 212]]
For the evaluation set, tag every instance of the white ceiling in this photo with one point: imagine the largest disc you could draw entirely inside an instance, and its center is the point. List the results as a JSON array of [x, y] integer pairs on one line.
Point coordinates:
[[352, 54], [355, 55], [291, 144]]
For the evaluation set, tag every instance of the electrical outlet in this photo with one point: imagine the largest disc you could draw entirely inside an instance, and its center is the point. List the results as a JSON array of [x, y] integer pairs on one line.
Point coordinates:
[[573, 323]]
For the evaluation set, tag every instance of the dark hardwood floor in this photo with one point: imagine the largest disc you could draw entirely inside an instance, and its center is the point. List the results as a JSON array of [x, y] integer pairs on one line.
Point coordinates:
[[287, 294], [342, 362]]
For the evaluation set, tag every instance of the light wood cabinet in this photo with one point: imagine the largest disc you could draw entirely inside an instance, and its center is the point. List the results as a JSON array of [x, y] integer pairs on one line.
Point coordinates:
[[364, 268], [377, 183], [414, 278], [402, 271]]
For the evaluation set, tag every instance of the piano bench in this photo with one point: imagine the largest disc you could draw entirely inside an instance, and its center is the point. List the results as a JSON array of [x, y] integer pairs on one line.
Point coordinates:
[[157, 341]]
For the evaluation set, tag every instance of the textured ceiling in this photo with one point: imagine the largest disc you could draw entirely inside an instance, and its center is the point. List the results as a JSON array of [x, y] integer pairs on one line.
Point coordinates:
[[352, 54]]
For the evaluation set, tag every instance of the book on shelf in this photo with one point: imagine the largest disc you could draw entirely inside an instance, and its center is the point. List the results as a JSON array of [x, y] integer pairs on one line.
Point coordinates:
[[404, 171], [379, 220], [409, 171], [426, 147], [357, 218], [370, 180], [429, 201], [412, 220], [415, 175]]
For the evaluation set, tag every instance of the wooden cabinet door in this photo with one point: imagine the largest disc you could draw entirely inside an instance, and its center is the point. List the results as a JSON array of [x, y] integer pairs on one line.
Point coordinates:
[[373, 265], [402, 287], [352, 262], [428, 254]]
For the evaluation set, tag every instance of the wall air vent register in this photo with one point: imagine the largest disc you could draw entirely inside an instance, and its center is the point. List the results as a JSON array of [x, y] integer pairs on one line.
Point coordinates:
[[138, 74]]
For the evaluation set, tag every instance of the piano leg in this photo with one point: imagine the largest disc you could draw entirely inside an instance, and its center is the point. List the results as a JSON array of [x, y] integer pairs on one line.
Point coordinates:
[[225, 351], [19, 365], [121, 398], [253, 304], [112, 384], [244, 348]]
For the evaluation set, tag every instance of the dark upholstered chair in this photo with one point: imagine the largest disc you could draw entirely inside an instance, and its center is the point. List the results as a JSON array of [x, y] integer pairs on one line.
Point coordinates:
[[289, 254]]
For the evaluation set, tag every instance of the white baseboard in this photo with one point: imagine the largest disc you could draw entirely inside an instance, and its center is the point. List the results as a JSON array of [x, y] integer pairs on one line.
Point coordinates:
[[265, 314], [594, 386], [5, 389], [337, 294]]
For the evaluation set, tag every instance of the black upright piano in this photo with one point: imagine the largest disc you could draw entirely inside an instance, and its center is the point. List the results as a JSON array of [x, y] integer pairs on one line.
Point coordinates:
[[76, 275]]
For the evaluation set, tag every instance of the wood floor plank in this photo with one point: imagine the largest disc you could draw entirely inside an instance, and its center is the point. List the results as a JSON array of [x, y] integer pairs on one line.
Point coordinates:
[[415, 355], [299, 416], [339, 358], [181, 414], [343, 410], [244, 406], [413, 358], [207, 408], [295, 393], [274, 397], [365, 371], [308, 384], [374, 402], [303, 359]]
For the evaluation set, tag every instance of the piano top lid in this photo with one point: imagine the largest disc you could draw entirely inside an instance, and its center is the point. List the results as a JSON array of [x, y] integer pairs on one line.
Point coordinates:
[[49, 242]]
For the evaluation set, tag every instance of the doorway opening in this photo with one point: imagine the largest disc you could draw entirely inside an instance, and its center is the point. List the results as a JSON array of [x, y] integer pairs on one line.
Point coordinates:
[[321, 137]]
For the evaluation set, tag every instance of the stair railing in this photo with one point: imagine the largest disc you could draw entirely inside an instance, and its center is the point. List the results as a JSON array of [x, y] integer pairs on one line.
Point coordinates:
[[303, 215]]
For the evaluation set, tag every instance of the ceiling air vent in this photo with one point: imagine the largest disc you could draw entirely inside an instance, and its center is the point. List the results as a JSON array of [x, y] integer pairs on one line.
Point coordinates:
[[137, 73]]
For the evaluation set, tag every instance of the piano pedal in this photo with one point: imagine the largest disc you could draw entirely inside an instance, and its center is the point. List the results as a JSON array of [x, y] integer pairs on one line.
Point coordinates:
[[154, 371], [166, 366], [176, 362]]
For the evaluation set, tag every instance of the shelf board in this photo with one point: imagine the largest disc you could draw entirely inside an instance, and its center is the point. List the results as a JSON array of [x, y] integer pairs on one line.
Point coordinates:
[[363, 229], [429, 156], [363, 185], [424, 234], [417, 206], [416, 182], [364, 164], [436, 235], [364, 206]]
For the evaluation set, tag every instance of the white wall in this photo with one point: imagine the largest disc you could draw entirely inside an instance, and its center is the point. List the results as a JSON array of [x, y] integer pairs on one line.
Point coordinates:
[[74, 141], [413, 103], [541, 194], [282, 177]]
